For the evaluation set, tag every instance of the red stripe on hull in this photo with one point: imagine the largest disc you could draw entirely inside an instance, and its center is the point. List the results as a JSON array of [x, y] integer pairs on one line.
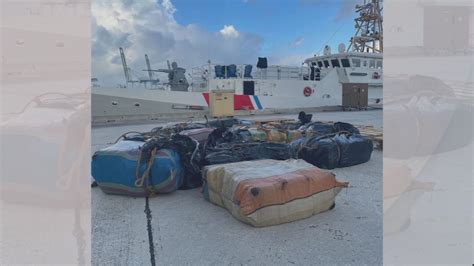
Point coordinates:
[[241, 102], [206, 97]]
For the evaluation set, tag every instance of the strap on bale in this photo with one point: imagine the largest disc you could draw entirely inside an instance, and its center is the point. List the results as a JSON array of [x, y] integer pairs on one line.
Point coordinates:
[[143, 181]]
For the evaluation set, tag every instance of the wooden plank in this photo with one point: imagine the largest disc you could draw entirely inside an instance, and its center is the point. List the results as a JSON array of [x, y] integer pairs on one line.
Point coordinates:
[[375, 134]]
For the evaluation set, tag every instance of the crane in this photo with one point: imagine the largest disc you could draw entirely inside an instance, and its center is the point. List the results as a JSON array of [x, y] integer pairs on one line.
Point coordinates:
[[148, 67], [125, 67]]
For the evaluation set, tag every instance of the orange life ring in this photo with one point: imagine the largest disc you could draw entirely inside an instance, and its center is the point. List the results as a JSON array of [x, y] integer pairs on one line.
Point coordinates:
[[307, 91]]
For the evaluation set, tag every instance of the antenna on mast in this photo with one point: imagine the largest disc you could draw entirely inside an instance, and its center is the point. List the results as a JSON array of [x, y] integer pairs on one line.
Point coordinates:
[[369, 30]]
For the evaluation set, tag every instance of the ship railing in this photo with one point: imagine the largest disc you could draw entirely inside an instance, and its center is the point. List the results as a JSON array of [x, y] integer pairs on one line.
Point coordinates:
[[282, 73], [199, 85], [199, 79], [203, 74]]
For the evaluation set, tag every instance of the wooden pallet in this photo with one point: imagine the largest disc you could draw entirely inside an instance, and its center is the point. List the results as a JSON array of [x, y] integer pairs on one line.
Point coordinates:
[[274, 120], [375, 134]]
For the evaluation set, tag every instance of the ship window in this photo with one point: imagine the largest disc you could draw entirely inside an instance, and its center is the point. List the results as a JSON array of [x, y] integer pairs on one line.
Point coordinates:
[[320, 64], [365, 63], [326, 63], [345, 63], [356, 62], [379, 64], [372, 63], [335, 63]]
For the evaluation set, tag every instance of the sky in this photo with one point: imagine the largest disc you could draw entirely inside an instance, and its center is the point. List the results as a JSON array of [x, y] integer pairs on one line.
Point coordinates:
[[191, 32]]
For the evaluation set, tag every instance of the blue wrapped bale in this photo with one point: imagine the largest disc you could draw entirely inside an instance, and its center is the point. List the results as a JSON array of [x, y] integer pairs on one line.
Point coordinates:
[[114, 170]]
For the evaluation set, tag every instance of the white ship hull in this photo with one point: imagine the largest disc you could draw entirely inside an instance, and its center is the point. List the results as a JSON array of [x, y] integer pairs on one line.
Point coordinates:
[[117, 104], [275, 89]]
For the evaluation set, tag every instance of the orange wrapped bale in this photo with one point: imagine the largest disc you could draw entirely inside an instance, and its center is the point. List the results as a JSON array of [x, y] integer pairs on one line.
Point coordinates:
[[270, 192], [253, 194]]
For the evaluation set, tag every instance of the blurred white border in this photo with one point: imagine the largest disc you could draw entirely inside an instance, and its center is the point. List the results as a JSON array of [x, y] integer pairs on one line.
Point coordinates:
[[428, 126], [45, 132]]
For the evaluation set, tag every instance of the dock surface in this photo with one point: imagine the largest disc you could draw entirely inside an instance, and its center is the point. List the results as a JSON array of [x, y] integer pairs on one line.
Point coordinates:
[[182, 228]]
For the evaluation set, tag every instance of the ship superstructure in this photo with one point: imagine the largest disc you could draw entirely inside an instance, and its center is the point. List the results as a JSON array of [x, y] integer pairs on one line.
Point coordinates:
[[321, 81]]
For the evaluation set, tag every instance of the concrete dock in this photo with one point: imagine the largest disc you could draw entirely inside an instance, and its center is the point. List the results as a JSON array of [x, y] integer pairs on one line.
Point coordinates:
[[182, 228]]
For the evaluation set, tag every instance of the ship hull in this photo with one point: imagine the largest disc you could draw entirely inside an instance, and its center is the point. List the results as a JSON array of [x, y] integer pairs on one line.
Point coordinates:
[[117, 104]]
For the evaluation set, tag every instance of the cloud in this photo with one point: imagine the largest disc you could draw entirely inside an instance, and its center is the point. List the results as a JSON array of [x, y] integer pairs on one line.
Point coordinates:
[[149, 27], [229, 31], [297, 42], [290, 60], [169, 6], [346, 9]]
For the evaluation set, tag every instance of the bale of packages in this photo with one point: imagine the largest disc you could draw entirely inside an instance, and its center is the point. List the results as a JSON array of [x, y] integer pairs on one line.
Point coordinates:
[[229, 122], [321, 129], [115, 170], [354, 149], [173, 128], [199, 134], [235, 145], [320, 152], [257, 134], [317, 129], [252, 133], [294, 135], [333, 151], [345, 127], [269, 192], [237, 152], [275, 135]]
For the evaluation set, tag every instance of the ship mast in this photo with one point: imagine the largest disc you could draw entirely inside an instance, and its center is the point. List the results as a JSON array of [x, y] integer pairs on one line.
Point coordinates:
[[369, 30]]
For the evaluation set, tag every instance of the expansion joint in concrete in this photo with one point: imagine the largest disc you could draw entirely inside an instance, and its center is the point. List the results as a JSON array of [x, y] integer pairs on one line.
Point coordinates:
[[150, 232]]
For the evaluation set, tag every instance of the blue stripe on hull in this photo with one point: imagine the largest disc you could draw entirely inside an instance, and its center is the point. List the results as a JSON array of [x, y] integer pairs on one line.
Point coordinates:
[[257, 101]]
